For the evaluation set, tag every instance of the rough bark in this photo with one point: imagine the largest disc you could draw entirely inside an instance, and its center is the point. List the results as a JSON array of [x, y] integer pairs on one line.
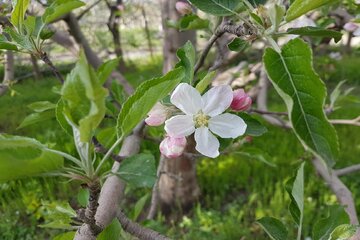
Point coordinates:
[[8, 72], [113, 25]]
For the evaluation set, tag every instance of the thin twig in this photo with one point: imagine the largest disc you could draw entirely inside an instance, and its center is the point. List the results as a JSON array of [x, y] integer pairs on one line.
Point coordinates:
[[101, 149], [56, 72], [347, 170], [354, 122], [137, 230], [268, 112], [87, 9]]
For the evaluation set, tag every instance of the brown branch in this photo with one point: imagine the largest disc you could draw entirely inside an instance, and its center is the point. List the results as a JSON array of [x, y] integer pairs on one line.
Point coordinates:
[[347, 170], [155, 192], [267, 112], [87, 10], [56, 72], [137, 230]]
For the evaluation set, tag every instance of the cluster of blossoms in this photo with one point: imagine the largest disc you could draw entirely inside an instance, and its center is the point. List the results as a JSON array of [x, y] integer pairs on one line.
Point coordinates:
[[202, 115]]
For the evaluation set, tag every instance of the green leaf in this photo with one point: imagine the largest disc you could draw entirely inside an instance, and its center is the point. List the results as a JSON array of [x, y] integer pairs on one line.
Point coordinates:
[[300, 7], [139, 206], [18, 13], [324, 227], [335, 94], [238, 45], [343, 232], [21, 41], [186, 55], [217, 7], [5, 44], [106, 69], [254, 127], [316, 32], [145, 97], [138, 170], [111, 232], [41, 106], [65, 236], [84, 99], [276, 14], [192, 22], [295, 189], [36, 118], [293, 77], [274, 228], [24, 157], [256, 154], [205, 81], [59, 8], [59, 113], [83, 197]]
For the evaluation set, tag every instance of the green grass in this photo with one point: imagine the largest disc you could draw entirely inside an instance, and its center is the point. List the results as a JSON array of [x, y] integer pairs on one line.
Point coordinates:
[[235, 191]]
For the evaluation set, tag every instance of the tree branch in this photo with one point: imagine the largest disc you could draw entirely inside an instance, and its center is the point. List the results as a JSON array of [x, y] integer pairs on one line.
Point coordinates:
[[354, 122], [56, 72], [137, 230], [87, 10], [347, 170]]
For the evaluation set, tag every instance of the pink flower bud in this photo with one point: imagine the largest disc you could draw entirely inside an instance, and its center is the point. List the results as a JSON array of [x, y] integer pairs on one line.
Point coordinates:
[[173, 147], [350, 27], [157, 115], [120, 7], [241, 101], [183, 8]]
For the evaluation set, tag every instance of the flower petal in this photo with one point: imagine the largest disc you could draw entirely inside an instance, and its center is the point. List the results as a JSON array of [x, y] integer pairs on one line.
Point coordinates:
[[187, 99], [180, 126], [172, 147], [206, 143], [217, 100], [227, 125]]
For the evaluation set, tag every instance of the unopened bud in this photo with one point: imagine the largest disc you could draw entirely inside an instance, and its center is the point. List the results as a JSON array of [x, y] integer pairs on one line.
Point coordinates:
[[241, 100], [173, 147], [183, 8], [157, 115]]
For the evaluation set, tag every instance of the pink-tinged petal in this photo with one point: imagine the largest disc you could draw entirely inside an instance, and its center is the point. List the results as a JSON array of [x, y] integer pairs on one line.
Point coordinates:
[[157, 115], [227, 125], [206, 143], [173, 147], [241, 100], [350, 27], [217, 100], [357, 32], [180, 126], [183, 8], [187, 99]]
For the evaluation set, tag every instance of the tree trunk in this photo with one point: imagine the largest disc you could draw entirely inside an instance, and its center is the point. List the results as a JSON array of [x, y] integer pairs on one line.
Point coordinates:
[[147, 32], [36, 69], [173, 39], [8, 72], [113, 25], [178, 186]]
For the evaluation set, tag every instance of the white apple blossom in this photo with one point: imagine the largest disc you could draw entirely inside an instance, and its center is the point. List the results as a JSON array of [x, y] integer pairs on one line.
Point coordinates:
[[204, 116]]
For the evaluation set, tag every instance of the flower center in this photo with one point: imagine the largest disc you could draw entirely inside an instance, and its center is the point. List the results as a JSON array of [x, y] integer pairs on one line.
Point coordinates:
[[201, 120]]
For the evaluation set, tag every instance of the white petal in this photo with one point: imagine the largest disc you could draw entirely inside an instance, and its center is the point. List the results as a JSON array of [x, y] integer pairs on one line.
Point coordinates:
[[227, 125], [186, 98], [180, 126], [217, 100], [206, 143]]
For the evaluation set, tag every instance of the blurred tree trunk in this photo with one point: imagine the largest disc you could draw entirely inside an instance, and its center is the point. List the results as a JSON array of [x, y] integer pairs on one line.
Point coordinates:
[[173, 39], [36, 69], [8, 71], [147, 31], [178, 186], [113, 25]]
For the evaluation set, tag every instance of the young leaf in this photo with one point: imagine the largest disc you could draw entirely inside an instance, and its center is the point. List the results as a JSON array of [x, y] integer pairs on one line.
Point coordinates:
[[59, 113], [238, 45], [24, 157], [274, 228], [295, 188], [217, 7], [111, 232], [106, 69], [316, 32], [256, 154], [146, 95], [41, 106], [205, 82], [65, 236], [18, 13], [84, 99], [276, 14], [324, 227], [300, 7], [59, 8], [36, 118], [343, 232], [5, 44], [139, 206], [254, 127], [186, 55], [193, 22], [138, 170], [293, 77]]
